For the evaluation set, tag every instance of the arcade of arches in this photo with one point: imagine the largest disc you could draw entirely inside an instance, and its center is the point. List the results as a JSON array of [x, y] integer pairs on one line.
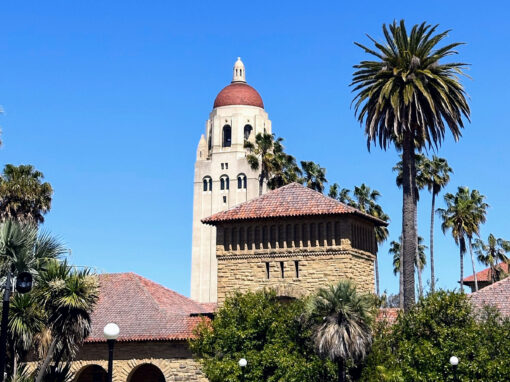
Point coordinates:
[[143, 373]]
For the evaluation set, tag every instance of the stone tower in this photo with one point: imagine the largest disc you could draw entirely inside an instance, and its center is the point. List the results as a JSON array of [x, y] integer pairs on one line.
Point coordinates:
[[223, 177]]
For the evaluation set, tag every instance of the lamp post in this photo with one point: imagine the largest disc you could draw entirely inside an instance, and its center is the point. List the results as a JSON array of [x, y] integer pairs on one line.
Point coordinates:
[[111, 332], [23, 285], [454, 361], [242, 364]]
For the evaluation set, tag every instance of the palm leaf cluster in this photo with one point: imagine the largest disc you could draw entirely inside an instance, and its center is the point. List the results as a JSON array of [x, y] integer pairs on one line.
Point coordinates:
[[491, 254], [408, 90]]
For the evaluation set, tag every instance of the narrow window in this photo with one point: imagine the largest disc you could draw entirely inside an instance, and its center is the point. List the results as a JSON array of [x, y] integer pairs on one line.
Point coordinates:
[[205, 184], [227, 183], [224, 199], [267, 270], [226, 166], [239, 182], [242, 240], [244, 182], [296, 265], [210, 184], [222, 183], [282, 269], [227, 136], [222, 166], [247, 131]]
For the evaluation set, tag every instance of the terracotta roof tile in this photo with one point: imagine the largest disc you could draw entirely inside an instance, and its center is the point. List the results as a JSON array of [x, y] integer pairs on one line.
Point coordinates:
[[497, 294], [238, 93], [287, 201], [388, 315], [143, 309], [485, 274]]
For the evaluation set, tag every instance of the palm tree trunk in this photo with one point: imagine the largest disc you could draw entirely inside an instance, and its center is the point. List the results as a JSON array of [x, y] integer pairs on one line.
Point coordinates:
[[401, 279], [417, 258], [47, 360], [432, 274], [341, 370], [473, 263], [409, 236], [420, 283], [15, 367], [461, 270]]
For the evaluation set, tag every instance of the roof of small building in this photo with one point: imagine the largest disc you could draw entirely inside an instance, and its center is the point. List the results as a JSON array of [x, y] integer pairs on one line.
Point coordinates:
[[497, 294], [388, 315], [238, 93], [288, 201], [485, 275], [143, 310]]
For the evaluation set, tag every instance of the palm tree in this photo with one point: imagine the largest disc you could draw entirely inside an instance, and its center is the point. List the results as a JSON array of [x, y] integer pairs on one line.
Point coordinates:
[[68, 297], [342, 195], [285, 168], [365, 198], [419, 263], [492, 253], [314, 175], [464, 213], [23, 195], [261, 156], [381, 235], [341, 319], [407, 96], [436, 175]]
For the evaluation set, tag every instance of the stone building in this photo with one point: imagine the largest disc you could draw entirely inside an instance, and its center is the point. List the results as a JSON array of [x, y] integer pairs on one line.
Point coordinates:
[[223, 177], [293, 240], [155, 324]]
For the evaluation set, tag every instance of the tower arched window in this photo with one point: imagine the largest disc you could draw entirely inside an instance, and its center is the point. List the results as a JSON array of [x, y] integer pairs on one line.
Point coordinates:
[[227, 136], [247, 131], [224, 183], [207, 183], [241, 181]]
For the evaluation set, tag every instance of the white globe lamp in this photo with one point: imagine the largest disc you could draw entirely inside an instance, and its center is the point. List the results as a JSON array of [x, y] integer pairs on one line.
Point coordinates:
[[111, 331]]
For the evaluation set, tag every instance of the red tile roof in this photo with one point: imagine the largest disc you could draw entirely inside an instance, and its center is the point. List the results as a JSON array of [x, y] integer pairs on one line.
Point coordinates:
[[143, 310], [485, 274], [389, 315], [291, 200], [238, 93], [497, 294]]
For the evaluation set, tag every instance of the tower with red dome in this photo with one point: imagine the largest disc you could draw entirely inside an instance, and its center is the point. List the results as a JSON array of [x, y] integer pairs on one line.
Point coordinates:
[[223, 177]]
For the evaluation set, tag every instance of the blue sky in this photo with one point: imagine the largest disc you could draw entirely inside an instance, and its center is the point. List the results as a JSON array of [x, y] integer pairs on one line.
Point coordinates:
[[109, 99]]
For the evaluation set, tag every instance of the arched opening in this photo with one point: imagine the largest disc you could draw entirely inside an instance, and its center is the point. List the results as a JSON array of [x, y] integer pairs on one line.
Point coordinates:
[[91, 373], [207, 184], [247, 131], [241, 181], [147, 373], [224, 183], [227, 136]]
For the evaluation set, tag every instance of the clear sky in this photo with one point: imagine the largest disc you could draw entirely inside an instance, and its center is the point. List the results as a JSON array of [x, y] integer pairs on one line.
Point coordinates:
[[109, 98]]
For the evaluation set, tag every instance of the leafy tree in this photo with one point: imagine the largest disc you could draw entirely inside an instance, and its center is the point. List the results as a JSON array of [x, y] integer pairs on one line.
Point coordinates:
[[314, 175], [23, 195], [408, 97], [491, 253], [417, 348], [464, 213], [436, 175], [342, 320], [268, 333]]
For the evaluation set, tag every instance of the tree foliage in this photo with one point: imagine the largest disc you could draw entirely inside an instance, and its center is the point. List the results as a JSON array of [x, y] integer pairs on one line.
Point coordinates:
[[23, 194], [418, 347], [269, 334]]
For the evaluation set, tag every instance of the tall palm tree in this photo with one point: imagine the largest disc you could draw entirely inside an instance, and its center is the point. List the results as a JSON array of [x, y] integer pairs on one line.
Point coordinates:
[[464, 213], [410, 97], [419, 263], [68, 297], [491, 253], [23, 194], [261, 156], [381, 235], [341, 319], [314, 175], [436, 175], [365, 197], [342, 195]]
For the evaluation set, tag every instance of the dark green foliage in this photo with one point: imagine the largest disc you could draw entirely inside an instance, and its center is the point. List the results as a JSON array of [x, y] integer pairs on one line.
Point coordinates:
[[418, 347], [265, 331]]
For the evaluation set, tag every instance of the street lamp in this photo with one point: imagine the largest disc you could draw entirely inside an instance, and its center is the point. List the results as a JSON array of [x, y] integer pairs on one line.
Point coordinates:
[[111, 332], [242, 364], [454, 361], [23, 285]]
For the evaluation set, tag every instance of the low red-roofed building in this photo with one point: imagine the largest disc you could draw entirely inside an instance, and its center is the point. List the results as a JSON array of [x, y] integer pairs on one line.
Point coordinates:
[[155, 324], [497, 295], [294, 240], [484, 278]]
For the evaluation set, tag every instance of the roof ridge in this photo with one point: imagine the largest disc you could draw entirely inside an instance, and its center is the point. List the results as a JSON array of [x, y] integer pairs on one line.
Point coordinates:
[[489, 287]]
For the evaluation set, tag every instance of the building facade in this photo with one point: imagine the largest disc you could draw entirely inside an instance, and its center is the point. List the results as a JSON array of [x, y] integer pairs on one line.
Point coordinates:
[[294, 240], [223, 177]]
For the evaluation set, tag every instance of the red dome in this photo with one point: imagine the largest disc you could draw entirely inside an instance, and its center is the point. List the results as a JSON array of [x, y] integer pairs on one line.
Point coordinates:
[[238, 93]]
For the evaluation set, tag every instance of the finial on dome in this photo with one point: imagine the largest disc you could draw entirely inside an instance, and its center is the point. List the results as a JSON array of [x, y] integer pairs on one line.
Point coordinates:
[[239, 71]]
